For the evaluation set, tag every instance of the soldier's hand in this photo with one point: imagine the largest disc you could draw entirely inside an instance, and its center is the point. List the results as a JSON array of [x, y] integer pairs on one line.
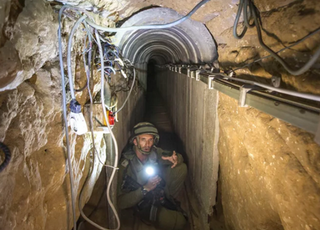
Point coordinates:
[[173, 159], [152, 183]]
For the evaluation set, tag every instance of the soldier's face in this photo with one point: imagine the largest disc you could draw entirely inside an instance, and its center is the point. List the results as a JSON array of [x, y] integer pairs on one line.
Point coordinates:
[[144, 142]]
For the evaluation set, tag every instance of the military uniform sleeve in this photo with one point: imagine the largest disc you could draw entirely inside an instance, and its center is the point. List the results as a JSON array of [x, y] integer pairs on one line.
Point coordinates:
[[160, 154], [126, 199]]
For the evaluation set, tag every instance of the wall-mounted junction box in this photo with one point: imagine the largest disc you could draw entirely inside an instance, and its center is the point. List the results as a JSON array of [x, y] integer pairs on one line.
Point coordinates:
[[99, 123]]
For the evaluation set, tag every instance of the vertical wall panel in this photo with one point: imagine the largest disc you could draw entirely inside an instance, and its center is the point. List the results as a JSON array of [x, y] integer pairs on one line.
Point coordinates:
[[193, 109]]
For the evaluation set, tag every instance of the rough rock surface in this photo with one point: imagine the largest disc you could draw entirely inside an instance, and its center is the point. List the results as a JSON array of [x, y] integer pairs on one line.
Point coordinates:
[[35, 187], [270, 171]]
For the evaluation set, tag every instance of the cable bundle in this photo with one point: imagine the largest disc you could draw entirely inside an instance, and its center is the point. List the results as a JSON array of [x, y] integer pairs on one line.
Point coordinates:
[[109, 62], [251, 12]]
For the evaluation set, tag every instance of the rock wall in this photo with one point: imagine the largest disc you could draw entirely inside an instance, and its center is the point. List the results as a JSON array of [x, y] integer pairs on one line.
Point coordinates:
[[269, 171], [35, 187]]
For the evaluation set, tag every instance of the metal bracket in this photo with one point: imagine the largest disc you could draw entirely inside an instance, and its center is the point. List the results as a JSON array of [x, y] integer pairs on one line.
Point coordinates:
[[198, 72], [243, 94], [317, 135], [211, 79], [276, 81], [192, 73], [210, 82]]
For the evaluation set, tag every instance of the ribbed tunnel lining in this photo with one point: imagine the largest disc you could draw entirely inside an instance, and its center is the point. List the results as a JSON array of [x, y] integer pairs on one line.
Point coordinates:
[[189, 42]]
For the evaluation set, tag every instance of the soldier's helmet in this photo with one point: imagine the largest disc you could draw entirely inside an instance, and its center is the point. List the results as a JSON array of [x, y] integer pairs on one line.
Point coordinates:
[[145, 128]]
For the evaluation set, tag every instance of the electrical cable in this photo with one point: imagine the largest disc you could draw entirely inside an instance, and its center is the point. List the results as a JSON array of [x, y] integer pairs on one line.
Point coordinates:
[[74, 28], [116, 148], [154, 26], [284, 91], [133, 81], [98, 203], [300, 71], [236, 21], [87, 70], [244, 4], [73, 199], [111, 68], [81, 192], [285, 48], [81, 89], [7, 155], [111, 133]]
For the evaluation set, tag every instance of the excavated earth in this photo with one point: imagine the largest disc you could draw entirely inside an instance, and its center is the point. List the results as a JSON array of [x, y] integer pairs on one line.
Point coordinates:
[[269, 170]]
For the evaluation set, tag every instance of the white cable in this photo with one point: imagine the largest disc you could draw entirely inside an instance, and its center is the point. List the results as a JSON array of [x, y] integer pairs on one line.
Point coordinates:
[[87, 70], [74, 28], [73, 197], [284, 91], [144, 27], [115, 147], [134, 79], [112, 135]]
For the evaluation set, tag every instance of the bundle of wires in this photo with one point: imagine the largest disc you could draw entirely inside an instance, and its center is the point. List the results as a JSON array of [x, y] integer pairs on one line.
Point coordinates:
[[110, 61], [250, 12]]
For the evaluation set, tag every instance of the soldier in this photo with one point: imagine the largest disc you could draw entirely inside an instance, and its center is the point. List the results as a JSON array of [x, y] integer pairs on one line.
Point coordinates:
[[150, 178]]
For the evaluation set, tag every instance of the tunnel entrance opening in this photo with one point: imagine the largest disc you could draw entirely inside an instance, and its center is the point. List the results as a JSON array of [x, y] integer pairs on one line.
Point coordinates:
[[151, 72], [189, 42]]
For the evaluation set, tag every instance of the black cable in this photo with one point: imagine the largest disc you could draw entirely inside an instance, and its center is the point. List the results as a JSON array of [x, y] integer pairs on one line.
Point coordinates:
[[300, 71], [81, 89], [7, 158], [285, 48], [257, 22], [243, 6]]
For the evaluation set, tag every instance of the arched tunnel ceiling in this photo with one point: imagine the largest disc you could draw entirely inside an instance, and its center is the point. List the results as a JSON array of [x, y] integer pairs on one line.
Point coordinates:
[[187, 42]]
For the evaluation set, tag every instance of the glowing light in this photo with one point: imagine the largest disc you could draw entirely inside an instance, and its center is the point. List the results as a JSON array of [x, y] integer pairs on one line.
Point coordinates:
[[150, 171]]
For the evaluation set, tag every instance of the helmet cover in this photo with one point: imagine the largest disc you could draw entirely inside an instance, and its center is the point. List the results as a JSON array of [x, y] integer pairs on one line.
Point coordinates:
[[145, 128]]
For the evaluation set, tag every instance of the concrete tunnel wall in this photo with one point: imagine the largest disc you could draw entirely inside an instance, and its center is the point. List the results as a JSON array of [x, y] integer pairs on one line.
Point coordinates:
[[268, 168], [193, 109]]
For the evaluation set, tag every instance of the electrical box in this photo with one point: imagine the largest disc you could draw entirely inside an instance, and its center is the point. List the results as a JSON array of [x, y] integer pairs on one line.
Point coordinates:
[[98, 120]]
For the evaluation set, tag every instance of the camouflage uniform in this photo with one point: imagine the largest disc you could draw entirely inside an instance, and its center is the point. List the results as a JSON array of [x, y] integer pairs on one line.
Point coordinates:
[[129, 197]]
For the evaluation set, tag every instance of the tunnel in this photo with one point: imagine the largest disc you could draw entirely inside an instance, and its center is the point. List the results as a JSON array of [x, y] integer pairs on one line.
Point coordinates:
[[232, 87]]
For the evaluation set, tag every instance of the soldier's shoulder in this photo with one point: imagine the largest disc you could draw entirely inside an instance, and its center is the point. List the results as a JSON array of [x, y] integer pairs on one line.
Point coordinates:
[[124, 162], [126, 157]]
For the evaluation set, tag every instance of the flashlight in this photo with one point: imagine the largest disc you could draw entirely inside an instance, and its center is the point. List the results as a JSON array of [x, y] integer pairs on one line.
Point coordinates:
[[150, 171]]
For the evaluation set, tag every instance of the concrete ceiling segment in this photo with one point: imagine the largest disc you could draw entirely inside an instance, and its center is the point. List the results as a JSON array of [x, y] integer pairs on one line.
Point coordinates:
[[188, 42], [160, 50], [150, 38]]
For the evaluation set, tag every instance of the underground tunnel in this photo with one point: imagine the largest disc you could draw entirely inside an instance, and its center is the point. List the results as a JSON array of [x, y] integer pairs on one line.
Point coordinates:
[[232, 86]]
